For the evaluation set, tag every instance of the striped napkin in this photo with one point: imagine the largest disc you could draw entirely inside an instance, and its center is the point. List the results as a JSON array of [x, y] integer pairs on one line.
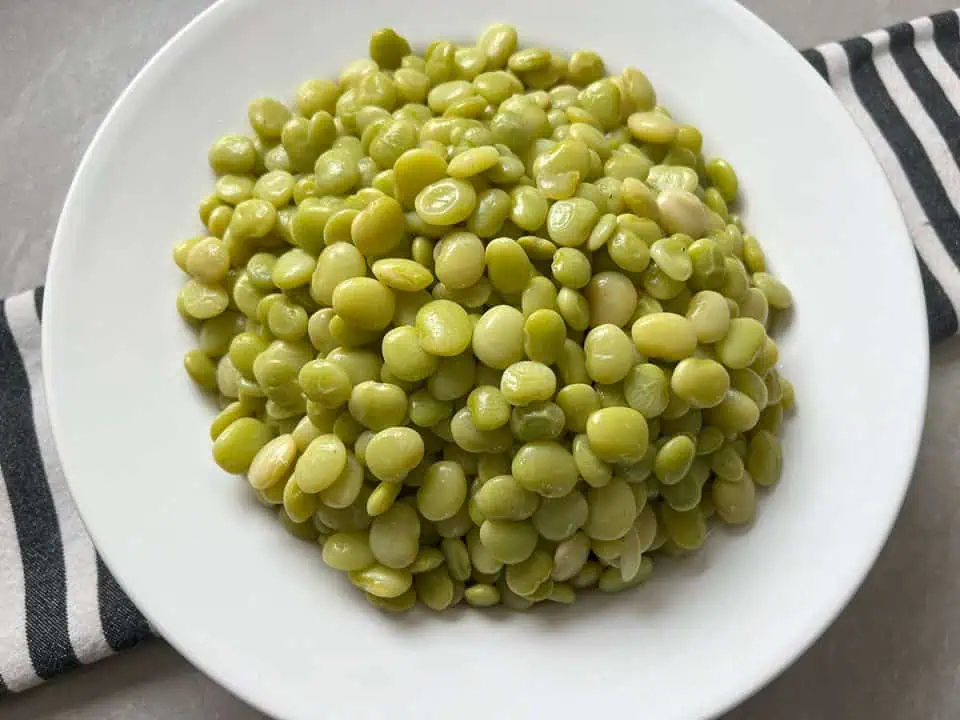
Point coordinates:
[[902, 87], [59, 605]]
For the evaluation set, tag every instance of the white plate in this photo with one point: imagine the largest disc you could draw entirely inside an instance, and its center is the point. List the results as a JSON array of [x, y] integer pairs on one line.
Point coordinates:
[[258, 612]]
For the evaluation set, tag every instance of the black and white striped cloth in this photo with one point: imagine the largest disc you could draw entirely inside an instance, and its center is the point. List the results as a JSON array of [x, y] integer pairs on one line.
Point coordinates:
[[902, 87], [59, 605]]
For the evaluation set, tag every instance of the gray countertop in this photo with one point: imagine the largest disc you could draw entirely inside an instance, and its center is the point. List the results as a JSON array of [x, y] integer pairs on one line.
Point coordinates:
[[894, 654]]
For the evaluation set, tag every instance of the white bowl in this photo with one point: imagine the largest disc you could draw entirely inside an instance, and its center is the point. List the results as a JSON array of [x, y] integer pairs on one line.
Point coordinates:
[[257, 610]]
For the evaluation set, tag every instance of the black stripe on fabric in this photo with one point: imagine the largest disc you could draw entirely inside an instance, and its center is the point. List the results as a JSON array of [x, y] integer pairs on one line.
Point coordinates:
[[904, 143], [946, 34], [925, 85], [38, 301], [35, 517], [123, 625], [815, 58], [941, 317]]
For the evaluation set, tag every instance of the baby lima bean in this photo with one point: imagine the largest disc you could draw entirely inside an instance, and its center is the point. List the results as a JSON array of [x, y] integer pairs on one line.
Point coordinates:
[[485, 323]]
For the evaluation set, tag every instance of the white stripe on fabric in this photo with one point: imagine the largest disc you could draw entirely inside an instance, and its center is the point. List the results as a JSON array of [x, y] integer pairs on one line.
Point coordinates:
[[80, 561], [925, 238], [15, 665], [930, 54]]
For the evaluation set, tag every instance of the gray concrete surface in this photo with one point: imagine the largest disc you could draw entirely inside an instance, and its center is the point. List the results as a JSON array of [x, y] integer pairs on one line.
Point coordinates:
[[894, 654]]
